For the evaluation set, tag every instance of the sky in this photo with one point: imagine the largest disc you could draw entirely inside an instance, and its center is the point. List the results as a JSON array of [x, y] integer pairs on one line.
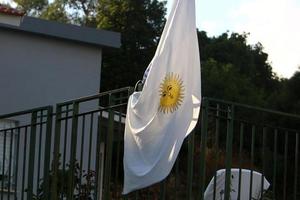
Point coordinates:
[[273, 23]]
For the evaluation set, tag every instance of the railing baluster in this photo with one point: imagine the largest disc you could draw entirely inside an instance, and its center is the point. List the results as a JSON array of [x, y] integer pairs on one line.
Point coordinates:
[[24, 164], [74, 134], [90, 141], [177, 178], [148, 194], [163, 189], [263, 161], [204, 124], [55, 166], [99, 160], [32, 144], [3, 164], [17, 163], [296, 166], [285, 164], [81, 151], [240, 159], [47, 153], [191, 144], [216, 148], [252, 159], [39, 151], [275, 163], [119, 134], [229, 141], [10, 161], [63, 181], [108, 155]]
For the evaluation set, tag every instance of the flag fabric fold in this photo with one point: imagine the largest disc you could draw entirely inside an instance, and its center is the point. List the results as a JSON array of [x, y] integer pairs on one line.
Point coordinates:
[[166, 110]]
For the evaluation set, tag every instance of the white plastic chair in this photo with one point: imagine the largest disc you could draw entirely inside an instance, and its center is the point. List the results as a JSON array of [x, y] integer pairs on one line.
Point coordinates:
[[245, 185]]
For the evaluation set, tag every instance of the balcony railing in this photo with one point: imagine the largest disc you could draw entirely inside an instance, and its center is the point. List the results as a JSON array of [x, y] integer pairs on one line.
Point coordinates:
[[75, 151]]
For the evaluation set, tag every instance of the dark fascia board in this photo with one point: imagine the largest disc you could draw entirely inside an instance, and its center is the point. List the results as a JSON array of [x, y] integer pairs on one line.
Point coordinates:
[[75, 33]]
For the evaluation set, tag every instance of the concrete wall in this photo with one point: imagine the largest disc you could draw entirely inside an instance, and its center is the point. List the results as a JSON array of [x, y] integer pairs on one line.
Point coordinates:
[[38, 71]]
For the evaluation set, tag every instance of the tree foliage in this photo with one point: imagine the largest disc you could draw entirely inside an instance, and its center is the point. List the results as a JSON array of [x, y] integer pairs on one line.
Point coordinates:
[[226, 58], [140, 22], [244, 68], [32, 7], [287, 98], [55, 11]]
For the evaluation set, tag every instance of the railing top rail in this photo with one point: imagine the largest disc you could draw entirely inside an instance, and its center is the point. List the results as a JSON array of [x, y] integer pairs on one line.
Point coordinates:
[[91, 97], [24, 112], [253, 107], [129, 89]]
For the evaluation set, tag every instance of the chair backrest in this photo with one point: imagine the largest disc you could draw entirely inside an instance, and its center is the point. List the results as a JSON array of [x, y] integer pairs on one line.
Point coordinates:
[[245, 185]]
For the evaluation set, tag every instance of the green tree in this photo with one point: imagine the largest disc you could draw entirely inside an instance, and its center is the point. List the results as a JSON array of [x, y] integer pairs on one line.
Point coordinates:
[[226, 58], [83, 12], [224, 81], [32, 7], [56, 11], [244, 68], [287, 98], [140, 22]]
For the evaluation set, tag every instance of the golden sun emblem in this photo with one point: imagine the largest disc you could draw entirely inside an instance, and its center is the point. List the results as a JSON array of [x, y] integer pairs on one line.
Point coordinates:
[[171, 93]]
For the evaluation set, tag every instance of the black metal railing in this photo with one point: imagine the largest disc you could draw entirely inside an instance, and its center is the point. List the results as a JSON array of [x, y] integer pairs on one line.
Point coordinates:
[[29, 142], [75, 151]]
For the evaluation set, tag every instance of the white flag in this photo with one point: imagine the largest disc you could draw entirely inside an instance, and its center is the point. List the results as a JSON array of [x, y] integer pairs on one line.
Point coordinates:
[[166, 110]]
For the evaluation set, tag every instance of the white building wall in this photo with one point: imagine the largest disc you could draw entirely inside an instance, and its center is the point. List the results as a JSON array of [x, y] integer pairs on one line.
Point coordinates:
[[38, 71]]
